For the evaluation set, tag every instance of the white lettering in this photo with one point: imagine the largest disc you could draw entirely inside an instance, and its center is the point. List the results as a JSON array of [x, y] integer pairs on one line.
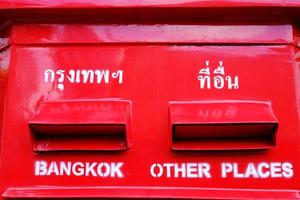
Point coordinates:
[[276, 170], [204, 170], [65, 168], [78, 169], [53, 169], [84, 76], [180, 170], [217, 78], [40, 168], [261, 170], [191, 170], [160, 170], [90, 169], [116, 170], [287, 170], [183, 170], [251, 171], [102, 169], [226, 168], [168, 168]]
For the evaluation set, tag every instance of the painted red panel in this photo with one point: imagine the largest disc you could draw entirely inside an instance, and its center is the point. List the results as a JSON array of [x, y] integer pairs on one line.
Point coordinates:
[[10, 4], [151, 75], [180, 34], [148, 193]]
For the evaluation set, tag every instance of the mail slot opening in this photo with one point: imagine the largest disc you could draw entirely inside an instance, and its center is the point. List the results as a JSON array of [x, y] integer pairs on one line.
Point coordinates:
[[225, 136], [81, 125], [79, 130], [236, 126]]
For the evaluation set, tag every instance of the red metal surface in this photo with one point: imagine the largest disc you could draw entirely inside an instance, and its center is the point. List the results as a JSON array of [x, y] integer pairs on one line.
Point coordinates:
[[141, 58], [168, 34], [13, 4], [147, 193], [153, 75]]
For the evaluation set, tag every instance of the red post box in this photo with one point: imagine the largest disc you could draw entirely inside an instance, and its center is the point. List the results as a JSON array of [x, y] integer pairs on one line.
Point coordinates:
[[185, 100]]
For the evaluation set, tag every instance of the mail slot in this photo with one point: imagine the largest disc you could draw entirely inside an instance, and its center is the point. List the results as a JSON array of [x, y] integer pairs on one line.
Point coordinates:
[[222, 125], [81, 125], [160, 100]]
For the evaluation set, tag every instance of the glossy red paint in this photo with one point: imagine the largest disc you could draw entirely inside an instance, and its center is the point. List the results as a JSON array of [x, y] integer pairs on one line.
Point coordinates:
[[13, 4], [141, 108], [161, 34], [148, 193]]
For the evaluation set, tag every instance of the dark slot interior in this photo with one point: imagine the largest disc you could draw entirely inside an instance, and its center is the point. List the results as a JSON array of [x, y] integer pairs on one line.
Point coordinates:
[[223, 136], [67, 137]]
